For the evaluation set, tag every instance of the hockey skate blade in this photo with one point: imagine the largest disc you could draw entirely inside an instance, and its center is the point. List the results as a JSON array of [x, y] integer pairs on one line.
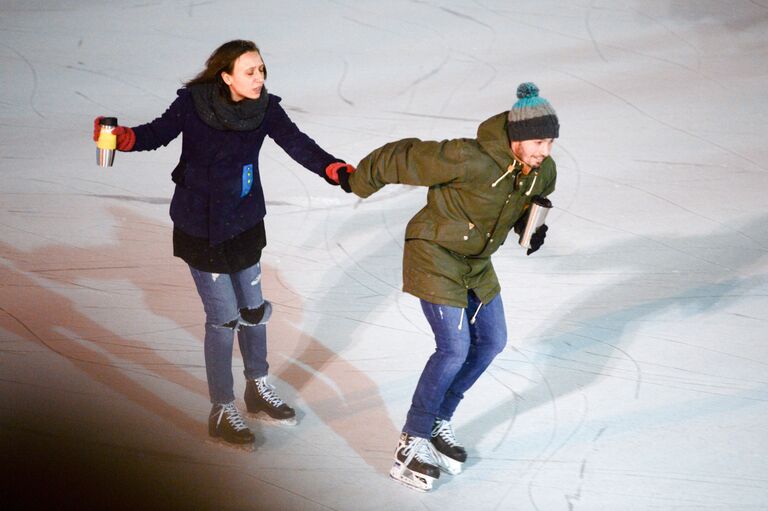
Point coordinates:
[[411, 479], [219, 442], [267, 419], [446, 463]]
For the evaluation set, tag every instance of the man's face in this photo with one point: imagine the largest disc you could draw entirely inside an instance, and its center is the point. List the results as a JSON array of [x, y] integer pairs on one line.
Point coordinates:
[[532, 152]]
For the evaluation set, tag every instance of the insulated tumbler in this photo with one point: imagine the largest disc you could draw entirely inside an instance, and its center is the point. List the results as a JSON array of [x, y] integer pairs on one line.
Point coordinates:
[[540, 206], [107, 143]]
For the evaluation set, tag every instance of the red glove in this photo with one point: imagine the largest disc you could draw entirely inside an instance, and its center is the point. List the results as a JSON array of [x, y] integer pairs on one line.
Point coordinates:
[[338, 173], [126, 138]]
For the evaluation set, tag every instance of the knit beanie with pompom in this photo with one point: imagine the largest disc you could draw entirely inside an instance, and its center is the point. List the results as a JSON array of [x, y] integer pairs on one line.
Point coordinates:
[[531, 117]]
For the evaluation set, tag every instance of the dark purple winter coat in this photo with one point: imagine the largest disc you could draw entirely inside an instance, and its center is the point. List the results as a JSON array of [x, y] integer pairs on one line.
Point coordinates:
[[218, 190]]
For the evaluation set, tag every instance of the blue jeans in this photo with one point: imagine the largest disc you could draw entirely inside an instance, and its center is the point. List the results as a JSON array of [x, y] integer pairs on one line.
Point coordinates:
[[463, 353], [229, 300]]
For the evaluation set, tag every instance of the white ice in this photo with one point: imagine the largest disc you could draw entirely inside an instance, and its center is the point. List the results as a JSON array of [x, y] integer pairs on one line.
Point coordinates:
[[635, 375]]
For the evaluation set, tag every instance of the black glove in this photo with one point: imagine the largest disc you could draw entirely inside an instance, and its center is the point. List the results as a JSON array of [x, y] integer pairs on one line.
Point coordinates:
[[337, 173], [519, 226], [537, 239], [344, 178]]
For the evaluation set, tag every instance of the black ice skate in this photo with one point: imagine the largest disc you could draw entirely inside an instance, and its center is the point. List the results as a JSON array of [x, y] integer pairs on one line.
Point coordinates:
[[414, 465], [260, 396], [448, 453], [226, 425]]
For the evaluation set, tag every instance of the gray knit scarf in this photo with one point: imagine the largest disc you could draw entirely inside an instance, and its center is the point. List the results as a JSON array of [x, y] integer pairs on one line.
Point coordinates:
[[222, 114]]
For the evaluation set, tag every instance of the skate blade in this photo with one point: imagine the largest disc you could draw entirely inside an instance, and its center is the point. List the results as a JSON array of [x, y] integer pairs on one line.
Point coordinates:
[[410, 479], [267, 419], [220, 442], [447, 464]]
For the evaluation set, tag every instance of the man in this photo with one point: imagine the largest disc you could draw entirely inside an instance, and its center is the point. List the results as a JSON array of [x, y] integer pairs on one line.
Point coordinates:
[[479, 189]]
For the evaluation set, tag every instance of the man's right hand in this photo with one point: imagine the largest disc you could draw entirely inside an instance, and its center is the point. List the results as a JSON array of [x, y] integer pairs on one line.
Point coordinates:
[[338, 173]]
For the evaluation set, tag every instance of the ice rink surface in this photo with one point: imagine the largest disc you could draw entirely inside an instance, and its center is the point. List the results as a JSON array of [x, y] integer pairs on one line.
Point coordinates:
[[635, 377]]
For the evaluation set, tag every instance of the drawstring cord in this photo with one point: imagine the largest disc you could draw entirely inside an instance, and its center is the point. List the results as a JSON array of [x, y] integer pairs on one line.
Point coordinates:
[[535, 176], [472, 321], [510, 169], [474, 316]]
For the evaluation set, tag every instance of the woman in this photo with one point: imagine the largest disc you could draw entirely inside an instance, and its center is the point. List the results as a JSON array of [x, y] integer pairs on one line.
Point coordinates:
[[218, 210]]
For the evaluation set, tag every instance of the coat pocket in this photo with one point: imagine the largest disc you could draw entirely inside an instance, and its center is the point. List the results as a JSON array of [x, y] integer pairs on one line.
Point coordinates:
[[460, 237], [178, 174]]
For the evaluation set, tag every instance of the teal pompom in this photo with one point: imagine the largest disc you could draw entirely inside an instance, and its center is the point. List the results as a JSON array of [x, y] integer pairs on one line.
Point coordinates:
[[527, 90]]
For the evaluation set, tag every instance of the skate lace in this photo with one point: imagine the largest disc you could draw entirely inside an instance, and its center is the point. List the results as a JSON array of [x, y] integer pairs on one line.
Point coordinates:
[[233, 417], [268, 392], [444, 430], [418, 448]]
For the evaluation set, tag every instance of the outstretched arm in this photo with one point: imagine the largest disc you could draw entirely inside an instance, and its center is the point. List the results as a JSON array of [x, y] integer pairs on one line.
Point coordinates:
[[295, 143], [162, 130], [409, 161]]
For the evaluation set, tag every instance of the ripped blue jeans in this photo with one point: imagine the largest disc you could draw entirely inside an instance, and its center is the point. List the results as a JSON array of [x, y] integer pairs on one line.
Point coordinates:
[[465, 349], [233, 302]]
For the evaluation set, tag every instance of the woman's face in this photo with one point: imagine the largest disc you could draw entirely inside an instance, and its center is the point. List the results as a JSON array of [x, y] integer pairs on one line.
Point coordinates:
[[247, 78]]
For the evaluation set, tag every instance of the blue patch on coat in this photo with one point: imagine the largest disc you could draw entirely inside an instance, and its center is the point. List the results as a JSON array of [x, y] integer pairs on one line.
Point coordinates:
[[247, 179]]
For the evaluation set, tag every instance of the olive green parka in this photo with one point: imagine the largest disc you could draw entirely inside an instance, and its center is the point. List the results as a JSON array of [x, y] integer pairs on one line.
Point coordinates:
[[476, 193]]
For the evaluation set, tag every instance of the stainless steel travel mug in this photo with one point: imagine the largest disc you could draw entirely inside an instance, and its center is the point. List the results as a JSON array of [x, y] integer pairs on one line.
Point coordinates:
[[540, 206], [107, 143]]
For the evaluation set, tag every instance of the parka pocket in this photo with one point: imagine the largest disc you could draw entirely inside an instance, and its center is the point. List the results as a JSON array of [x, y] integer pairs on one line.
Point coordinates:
[[460, 237]]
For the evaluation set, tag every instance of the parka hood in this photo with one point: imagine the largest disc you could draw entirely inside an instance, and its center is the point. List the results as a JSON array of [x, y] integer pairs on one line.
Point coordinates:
[[492, 137]]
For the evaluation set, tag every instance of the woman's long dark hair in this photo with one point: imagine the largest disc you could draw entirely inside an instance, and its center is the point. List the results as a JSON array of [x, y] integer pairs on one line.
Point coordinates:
[[223, 59]]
